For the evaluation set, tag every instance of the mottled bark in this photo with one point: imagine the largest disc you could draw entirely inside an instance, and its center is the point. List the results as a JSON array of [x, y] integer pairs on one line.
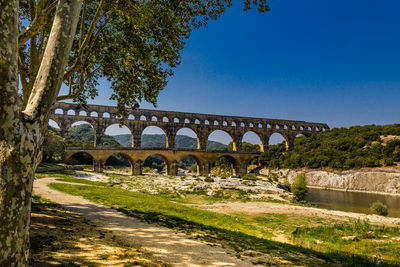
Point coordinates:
[[21, 133]]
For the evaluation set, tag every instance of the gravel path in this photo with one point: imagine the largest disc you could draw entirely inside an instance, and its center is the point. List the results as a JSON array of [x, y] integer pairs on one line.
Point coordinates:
[[165, 244]]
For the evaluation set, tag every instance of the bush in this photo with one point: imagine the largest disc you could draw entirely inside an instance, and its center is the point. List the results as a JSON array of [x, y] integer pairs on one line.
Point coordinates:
[[249, 176], [146, 169], [379, 208], [299, 187], [360, 226], [209, 180]]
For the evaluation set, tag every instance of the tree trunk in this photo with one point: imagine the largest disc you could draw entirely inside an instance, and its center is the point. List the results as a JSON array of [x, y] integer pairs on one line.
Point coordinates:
[[21, 133]]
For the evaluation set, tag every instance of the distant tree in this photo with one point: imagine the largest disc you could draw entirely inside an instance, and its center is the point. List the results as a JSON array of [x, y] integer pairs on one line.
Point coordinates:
[[246, 146], [299, 187], [44, 43], [53, 147]]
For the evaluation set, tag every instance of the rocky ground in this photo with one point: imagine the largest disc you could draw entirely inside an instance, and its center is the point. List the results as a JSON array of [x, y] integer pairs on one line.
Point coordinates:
[[155, 183]]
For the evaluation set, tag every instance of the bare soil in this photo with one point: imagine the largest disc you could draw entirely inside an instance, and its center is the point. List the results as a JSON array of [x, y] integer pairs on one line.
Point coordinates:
[[164, 244]]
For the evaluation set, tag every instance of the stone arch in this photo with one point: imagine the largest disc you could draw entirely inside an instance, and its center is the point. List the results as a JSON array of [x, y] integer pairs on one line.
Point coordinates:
[[184, 162], [59, 111], [184, 133], [254, 139], [165, 119], [94, 114], [81, 134], [157, 161], [225, 166], [106, 115], [143, 118], [154, 118], [196, 121], [122, 131], [131, 117], [277, 138], [54, 124], [154, 137], [233, 124], [187, 121], [71, 112], [222, 136], [83, 113], [206, 122], [176, 120], [80, 158], [121, 160]]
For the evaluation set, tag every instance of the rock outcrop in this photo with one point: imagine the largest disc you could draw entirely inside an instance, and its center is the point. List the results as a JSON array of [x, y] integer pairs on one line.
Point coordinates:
[[377, 181]]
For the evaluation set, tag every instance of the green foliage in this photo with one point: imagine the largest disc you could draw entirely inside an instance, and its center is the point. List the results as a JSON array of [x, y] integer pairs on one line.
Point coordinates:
[[249, 176], [379, 208], [209, 180], [338, 148], [299, 187], [146, 169], [360, 226], [53, 147], [246, 146]]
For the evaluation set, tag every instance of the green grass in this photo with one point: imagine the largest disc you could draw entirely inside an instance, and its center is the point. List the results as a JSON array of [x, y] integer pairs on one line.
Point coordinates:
[[81, 181], [38, 202], [239, 231], [61, 174], [372, 241]]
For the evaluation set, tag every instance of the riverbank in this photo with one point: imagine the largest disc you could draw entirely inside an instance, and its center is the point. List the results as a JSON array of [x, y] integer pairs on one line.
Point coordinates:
[[377, 180]]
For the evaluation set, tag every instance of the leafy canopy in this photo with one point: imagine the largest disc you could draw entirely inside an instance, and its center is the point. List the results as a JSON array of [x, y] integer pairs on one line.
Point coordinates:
[[135, 44]]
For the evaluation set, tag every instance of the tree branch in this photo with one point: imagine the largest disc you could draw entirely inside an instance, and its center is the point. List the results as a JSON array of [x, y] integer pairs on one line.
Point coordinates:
[[79, 59], [50, 75], [38, 22]]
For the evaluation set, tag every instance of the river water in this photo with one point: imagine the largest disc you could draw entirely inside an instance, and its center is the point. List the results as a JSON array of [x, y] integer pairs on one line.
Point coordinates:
[[352, 201]]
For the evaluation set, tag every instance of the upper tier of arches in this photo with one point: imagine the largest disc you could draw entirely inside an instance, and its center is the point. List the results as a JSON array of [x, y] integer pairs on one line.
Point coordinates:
[[171, 122]]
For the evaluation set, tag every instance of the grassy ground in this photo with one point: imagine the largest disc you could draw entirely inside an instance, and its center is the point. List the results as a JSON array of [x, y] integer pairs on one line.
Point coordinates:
[[250, 236], [59, 237]]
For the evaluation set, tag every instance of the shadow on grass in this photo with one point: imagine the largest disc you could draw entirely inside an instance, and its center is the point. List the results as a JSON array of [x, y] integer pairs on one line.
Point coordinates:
[[241, 242], [208, 226]]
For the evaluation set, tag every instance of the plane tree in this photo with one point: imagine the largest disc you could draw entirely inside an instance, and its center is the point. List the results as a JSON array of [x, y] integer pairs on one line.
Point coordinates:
[[135, 44]]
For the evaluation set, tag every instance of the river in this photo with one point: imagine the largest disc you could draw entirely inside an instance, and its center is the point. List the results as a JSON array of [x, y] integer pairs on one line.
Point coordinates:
[[352, 201]]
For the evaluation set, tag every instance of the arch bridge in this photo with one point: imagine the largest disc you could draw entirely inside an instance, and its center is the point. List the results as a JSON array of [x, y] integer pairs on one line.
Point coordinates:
[[100, 117]]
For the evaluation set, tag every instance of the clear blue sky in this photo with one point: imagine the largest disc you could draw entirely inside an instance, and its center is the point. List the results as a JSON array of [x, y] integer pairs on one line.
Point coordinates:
[[325, 61]]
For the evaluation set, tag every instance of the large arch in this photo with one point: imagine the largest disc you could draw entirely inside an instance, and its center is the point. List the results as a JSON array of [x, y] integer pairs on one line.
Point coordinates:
[[187, 138], [80, 158], [190, 163], [119, 162], [220, 140], [251, 142], [156, 161], [154, 137], [81, 134], [117, 135], [278, 138], [225, 166]]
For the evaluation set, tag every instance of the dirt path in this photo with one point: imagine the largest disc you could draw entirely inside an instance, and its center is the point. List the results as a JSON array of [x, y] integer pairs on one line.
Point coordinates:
[[266, 207], [165, 244]]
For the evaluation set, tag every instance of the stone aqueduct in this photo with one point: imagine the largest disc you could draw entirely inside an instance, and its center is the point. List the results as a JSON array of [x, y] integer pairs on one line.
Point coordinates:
[[100, 117]]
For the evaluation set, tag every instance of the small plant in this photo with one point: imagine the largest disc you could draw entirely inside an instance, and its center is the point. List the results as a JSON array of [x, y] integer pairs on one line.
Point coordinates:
[[146, 169], [299, 187], [249, 176], [209, 179], [379, 208], [360, 226]]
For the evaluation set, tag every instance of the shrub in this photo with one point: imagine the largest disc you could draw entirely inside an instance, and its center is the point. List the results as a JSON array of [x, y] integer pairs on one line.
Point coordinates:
[[209, 180], [379, 208], [299, 187], [249, 176], [146, 169], [360, 226]]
